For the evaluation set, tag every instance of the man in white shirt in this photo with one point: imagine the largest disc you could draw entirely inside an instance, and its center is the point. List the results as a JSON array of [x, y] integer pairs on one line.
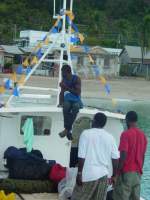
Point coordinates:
[[96, 149]]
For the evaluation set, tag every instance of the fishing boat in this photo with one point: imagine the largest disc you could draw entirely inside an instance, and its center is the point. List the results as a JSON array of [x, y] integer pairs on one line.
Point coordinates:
[[43, 108]]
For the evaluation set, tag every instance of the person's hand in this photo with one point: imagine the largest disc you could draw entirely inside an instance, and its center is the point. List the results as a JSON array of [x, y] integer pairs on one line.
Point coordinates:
[[79, 179], [63, 85], [114, 180]]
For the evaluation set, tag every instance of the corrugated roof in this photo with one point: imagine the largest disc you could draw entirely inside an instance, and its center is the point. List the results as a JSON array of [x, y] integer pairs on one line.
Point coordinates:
[[135, 52], [113, 51], [11, 49], [91, 50]]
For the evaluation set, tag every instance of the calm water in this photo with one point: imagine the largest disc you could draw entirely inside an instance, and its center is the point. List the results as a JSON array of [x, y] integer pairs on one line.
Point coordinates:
[[143, 110]]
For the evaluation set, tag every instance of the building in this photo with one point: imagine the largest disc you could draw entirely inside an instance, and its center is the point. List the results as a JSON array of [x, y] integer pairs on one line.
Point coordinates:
[[106, 59], [132, 55], [9, 54]]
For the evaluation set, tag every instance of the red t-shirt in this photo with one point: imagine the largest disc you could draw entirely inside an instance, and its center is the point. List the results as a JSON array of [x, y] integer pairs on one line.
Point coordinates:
[[134, 143]]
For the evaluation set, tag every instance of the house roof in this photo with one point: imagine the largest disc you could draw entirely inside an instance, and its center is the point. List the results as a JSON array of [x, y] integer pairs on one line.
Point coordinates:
[[113, 51], [91, 50], [11, 49], [134, 52]]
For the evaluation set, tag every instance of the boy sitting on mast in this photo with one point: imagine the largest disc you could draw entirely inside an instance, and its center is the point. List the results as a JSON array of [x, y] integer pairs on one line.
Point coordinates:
[[70, 99]]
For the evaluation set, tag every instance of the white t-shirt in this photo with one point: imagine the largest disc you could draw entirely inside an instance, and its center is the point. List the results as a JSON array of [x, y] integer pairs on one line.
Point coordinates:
[[97, 147]]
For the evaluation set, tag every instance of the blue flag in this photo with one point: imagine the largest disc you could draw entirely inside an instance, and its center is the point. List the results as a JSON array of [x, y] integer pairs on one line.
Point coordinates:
[[54, 30], [75, 28], [74, 39], [16, 92], [39, 53], [107, 88], [96, 70], [68, 20], [28, 70], [59, 25], [7, 84], [19, 69], [45, 38]]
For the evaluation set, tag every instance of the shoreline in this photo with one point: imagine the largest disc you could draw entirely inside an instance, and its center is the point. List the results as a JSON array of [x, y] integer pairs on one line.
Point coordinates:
[[122, 89]]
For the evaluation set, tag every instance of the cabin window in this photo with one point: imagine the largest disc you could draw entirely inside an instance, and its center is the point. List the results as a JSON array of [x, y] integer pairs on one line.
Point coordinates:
[[42, 124]]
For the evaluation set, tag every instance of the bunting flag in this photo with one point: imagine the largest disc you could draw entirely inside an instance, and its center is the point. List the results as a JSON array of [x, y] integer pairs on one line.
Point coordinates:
[[26, 62], [59, 26], [70, 14], [81, 37], [16, 92], [2, 89], [91, 59], [34, 60], [103, 80], [107, 88], [54, 30], [46, 41], [69, 21], [39, 54], [75, 28], [28, 70], [74, 39], [19, 69], [14, 77], [96, 70], [45, 37], [22, 80], [8, 84]]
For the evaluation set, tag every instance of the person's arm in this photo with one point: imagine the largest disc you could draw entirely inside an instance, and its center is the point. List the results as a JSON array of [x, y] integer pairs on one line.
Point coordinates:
[[115, 160], [123, 156], [80, 169], [123, 148], [115, 163], [81, 158]]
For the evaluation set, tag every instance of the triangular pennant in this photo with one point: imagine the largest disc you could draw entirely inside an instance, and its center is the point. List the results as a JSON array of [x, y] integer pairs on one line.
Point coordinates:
[[16, 91], [81, 37], [34, 60], [54, 30], [70, 15], [2, 90], [96, 70], [46, 42], [59, 25], [44, 38], [22, 80], [74, 39], [91, 59], [75, 28], [19, 69], [107, 88], [103, 80], [39, 53], [28, 70], [26, 62], [69, 21], [14, 77], [8, 84]]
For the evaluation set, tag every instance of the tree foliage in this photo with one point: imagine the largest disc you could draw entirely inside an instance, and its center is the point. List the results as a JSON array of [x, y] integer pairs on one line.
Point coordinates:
[[106, 22]]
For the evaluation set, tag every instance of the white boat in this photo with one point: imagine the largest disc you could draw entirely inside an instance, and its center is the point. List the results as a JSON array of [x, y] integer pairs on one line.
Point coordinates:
[[47, 116]]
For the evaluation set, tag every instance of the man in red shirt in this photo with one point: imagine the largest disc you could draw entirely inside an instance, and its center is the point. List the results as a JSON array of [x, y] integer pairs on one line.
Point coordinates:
[[132, 149]]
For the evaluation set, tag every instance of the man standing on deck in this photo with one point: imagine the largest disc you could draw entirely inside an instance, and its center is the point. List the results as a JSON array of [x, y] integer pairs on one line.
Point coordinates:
[[132, 149], [70, 99], [97, 149]]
